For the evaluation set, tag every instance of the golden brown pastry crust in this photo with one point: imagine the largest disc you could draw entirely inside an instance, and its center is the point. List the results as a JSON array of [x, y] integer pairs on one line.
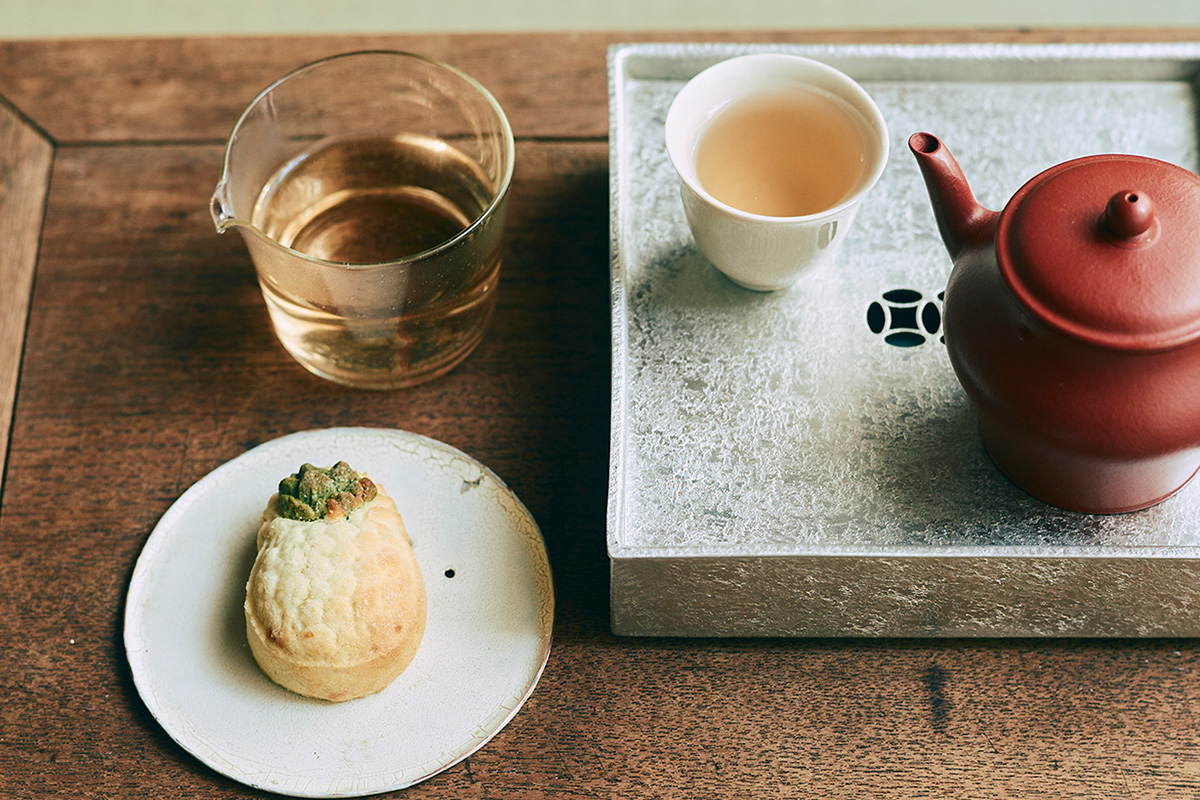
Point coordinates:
[[335, 609]]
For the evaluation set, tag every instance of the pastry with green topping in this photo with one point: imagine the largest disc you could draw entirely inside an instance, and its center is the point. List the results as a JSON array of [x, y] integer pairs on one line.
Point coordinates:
[[335, 603]]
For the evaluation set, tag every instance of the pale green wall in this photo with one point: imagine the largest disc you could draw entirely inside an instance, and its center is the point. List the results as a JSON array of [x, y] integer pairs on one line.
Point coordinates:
[[71, 18]]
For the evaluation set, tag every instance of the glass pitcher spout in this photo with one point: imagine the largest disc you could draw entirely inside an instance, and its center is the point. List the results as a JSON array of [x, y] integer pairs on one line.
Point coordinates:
[[219, 207]]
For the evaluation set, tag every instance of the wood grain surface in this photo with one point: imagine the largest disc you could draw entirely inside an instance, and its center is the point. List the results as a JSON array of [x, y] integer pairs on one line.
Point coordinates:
[[147, 361]]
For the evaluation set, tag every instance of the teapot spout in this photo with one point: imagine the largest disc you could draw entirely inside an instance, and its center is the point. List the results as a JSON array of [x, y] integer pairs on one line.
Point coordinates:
[[961, 220]]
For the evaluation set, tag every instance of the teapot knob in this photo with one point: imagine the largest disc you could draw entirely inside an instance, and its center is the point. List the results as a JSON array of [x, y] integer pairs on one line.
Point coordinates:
[[1129, 214]]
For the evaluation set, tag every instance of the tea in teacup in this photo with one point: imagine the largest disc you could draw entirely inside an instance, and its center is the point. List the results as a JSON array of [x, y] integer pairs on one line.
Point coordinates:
[[774, 153], [782, 154]]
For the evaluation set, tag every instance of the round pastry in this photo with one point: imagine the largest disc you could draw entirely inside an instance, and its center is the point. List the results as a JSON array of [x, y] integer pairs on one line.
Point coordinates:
[[335, 603]]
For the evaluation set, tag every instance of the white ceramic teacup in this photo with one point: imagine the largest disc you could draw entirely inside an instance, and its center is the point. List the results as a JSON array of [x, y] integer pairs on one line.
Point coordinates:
[[757, 251]]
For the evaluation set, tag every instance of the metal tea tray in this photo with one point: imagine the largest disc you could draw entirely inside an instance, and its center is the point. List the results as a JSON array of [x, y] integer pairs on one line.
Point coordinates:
[[804, 462]]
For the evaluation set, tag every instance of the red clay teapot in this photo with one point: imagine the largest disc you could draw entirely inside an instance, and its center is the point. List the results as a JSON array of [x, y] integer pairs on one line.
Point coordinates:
[[1072, 320]]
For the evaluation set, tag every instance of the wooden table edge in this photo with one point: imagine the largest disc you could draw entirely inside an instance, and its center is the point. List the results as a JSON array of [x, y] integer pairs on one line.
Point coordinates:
[[25, 160]]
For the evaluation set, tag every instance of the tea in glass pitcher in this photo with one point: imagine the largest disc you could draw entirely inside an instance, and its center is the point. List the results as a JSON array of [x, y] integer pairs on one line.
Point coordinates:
[[371, 191]]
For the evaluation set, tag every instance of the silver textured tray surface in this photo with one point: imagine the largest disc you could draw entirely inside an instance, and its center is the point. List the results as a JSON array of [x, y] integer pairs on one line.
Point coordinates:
[[779, 467]]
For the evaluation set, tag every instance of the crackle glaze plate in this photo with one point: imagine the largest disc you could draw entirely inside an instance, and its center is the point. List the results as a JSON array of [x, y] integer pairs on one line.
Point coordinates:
[[488, 633]]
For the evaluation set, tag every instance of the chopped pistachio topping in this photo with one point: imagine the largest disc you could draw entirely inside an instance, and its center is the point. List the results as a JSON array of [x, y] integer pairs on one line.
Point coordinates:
[[316, 493]]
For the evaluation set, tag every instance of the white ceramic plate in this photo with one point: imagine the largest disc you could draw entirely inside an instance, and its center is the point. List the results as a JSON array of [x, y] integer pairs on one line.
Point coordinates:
[[491, 609]]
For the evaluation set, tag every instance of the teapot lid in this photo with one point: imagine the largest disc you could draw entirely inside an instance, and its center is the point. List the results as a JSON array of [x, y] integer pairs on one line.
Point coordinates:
[[1107, 248]]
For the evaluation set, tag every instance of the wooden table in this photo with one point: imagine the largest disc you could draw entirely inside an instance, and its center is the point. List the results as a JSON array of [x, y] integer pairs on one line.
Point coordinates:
[[137, 356]]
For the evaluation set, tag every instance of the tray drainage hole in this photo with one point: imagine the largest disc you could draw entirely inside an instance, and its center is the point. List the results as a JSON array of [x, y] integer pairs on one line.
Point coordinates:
[[905, 317], [449, 573]]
